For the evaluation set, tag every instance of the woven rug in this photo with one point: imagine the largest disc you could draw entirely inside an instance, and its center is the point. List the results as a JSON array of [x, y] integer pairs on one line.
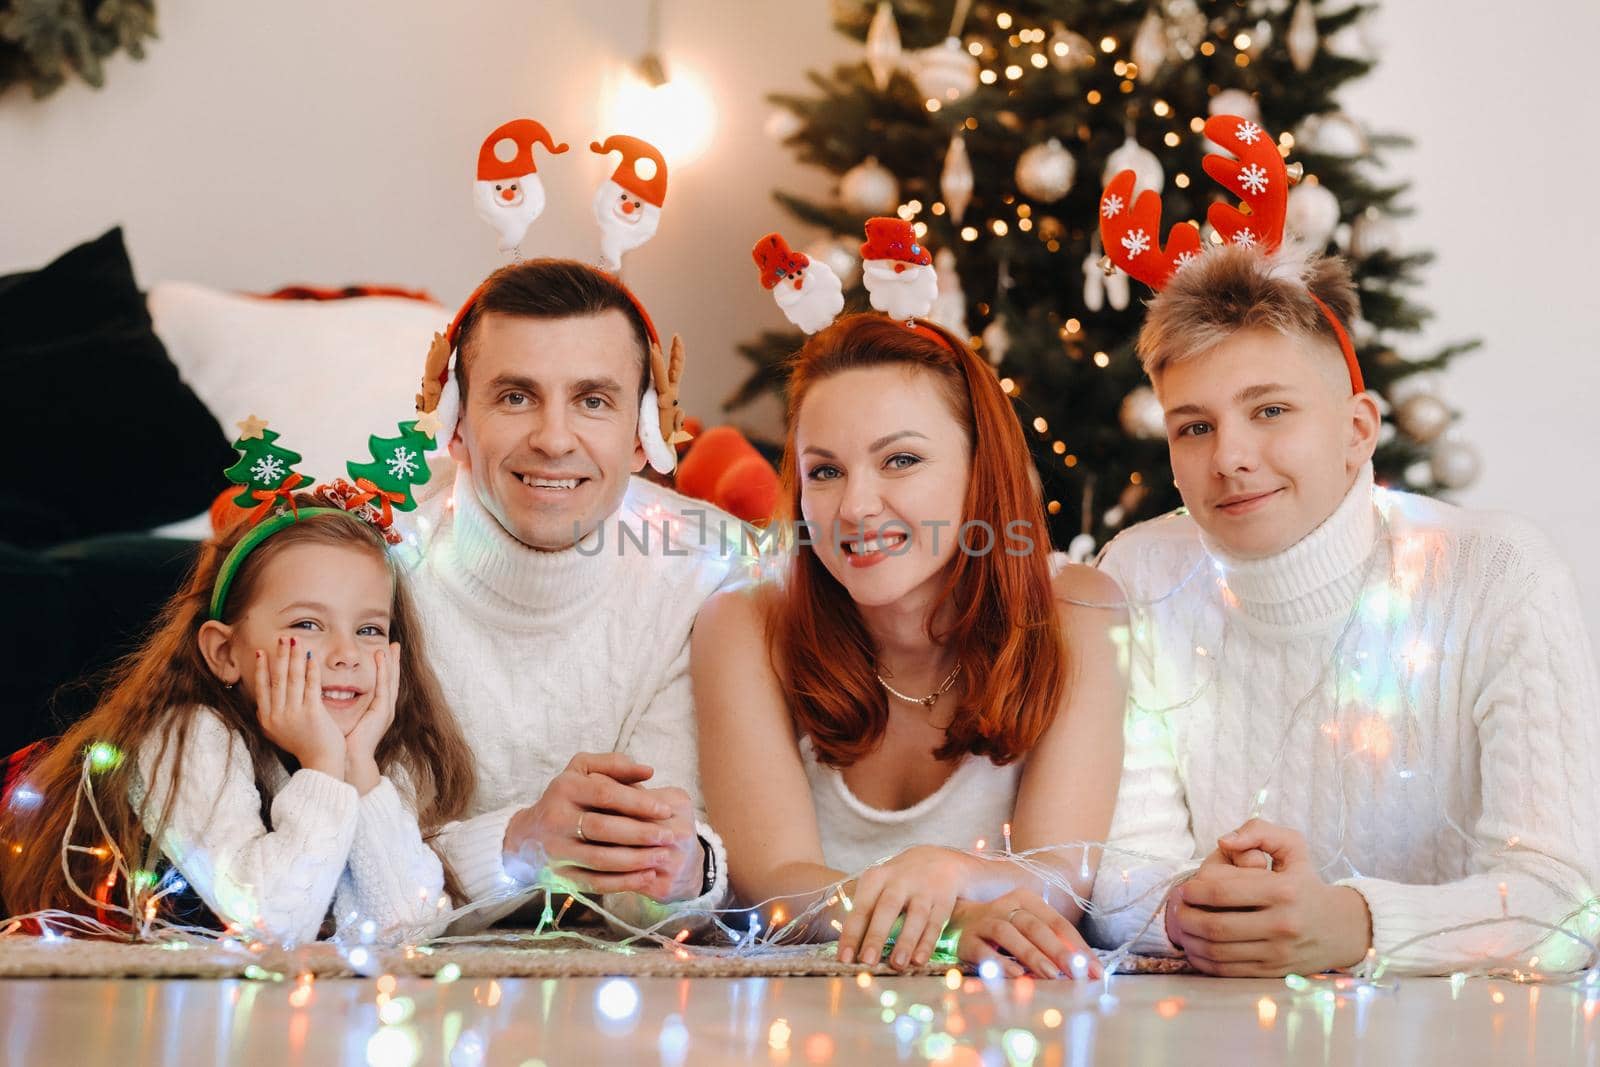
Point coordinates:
[[31, 957]]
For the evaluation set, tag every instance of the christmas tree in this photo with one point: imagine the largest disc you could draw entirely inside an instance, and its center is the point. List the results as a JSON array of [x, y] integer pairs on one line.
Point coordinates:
[[398, 463], [992, 126], [263, 466]]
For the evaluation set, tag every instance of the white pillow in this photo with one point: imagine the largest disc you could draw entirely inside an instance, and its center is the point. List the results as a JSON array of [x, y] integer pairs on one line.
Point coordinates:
[[325, 374]]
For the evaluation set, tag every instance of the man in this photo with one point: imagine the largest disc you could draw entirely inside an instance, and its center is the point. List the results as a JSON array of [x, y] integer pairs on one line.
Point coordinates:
[[1380, 708], [558, 608]]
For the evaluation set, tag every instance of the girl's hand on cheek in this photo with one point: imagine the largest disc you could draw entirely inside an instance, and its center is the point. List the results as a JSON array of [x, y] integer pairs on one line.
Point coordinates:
[[288, 685], [361, 743]]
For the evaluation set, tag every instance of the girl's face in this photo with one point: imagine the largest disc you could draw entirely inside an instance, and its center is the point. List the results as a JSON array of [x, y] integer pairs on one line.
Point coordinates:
[[884, 467], [334, 602]]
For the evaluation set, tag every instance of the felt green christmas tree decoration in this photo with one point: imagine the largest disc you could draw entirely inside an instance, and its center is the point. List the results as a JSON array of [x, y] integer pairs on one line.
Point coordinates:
[[264, 468], [398, 463]]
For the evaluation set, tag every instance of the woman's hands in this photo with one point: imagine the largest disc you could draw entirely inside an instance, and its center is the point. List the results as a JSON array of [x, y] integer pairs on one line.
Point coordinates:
[[1034, 936], [288, 685], [922, 884]]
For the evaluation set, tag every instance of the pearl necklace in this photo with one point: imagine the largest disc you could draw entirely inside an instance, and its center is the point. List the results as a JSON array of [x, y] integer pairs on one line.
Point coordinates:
[[929, 700]]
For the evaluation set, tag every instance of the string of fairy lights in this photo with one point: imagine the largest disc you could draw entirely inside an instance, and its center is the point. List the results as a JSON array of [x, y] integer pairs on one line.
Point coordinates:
[[787, 926]]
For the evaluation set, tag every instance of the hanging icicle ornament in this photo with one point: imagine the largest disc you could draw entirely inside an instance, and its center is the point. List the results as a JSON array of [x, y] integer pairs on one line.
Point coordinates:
[[956, 180], [1149, 51], [883, 46], [946, 72], [1302, 38], [1045, 171], [869, 188]]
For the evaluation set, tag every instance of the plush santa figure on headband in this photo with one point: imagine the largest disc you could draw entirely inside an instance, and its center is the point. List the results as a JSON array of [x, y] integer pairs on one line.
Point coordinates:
[[807, 291], [897, 271], [508, 193], [628, 205]]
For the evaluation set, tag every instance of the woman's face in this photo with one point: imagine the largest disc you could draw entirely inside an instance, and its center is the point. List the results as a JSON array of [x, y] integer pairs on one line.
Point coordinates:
[[883, 466]]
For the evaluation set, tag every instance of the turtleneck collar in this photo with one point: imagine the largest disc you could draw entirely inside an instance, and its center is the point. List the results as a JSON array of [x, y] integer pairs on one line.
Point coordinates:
[[1315, 579], [494, 569]]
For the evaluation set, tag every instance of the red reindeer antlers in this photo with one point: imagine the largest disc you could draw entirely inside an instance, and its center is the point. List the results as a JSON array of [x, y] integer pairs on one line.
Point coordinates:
[[1257, 175], [1130, 228]]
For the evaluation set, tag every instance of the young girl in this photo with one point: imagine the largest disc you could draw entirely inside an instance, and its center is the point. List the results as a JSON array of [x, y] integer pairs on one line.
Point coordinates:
[[277, 738], [913, 684]]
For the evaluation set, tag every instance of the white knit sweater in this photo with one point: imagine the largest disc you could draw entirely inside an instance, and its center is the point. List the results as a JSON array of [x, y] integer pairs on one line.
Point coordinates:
[[1410, 687], [543, 655], [326, 844]]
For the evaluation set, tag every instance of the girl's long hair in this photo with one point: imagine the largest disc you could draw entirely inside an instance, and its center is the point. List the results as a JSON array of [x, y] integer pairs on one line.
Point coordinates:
[[1003, 624], [150, 700]]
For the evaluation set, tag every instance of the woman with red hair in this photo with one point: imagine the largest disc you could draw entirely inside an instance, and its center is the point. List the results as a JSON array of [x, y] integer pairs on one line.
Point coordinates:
[[918, 682]]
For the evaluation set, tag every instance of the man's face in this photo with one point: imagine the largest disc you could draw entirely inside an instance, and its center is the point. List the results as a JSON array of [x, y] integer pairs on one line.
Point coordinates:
[[1265, 439], [550, 425]]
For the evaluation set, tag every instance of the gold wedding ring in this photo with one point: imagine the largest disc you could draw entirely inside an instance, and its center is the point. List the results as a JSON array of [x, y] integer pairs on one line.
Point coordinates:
[[581, 814]]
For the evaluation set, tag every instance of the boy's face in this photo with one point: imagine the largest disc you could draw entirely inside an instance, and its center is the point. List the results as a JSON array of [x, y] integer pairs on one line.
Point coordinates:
[[1265, 438]]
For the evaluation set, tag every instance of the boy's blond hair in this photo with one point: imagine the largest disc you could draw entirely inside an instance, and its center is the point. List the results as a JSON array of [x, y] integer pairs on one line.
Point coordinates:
[[1234, 288]]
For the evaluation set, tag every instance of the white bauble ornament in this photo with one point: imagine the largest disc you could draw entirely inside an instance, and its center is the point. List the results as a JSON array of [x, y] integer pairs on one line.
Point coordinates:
[[955, 180], [1312, 214], [1149, 50], [1373, 232], [1131, 155], [868, 188], [782, 124], [1235, 102], [1045, 171], [1081, 548], [996, 340], [843, 257], [945, 72], [1332, 134], [1355, 40], [883, 46], [1141, 416], [1422, 416], [1070, 51], [1455, 464], [1302, 38]]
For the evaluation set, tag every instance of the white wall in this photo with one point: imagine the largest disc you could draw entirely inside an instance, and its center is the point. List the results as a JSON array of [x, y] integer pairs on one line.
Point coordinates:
[[303, 141]]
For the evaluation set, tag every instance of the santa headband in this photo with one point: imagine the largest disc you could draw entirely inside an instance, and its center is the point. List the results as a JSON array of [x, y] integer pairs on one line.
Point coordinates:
[[268, 482], [896, 269], [509, 196], [1257, 175]]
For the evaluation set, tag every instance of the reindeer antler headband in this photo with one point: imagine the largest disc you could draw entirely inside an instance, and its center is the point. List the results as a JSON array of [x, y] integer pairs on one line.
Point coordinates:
[[509, 196], [1131, 228]]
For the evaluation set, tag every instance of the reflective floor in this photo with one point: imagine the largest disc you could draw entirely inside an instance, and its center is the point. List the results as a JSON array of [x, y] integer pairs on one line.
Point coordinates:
[[591, 1021]]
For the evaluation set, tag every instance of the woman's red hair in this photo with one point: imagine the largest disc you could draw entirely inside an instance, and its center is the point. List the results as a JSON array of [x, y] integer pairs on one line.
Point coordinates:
[[1003, 627]]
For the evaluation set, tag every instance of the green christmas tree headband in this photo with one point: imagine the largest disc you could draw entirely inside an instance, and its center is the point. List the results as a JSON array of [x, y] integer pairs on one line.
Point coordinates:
[[267, 481]]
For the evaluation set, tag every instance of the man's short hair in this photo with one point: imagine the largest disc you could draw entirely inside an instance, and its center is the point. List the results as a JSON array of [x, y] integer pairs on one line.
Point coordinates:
[[1232, 288], [550, 289]]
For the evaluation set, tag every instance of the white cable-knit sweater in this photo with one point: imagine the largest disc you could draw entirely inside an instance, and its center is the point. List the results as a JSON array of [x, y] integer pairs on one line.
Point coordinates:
[[326, 844], [543, 655], [1410, 687]]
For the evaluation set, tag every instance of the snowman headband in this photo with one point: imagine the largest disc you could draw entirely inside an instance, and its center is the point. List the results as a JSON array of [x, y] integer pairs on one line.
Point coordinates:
[[509, 196], [267, 481], [896, 269], [1257, 175]]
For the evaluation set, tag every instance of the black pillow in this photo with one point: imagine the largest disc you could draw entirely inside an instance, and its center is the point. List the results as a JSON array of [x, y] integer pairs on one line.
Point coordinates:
[[111, 438]]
